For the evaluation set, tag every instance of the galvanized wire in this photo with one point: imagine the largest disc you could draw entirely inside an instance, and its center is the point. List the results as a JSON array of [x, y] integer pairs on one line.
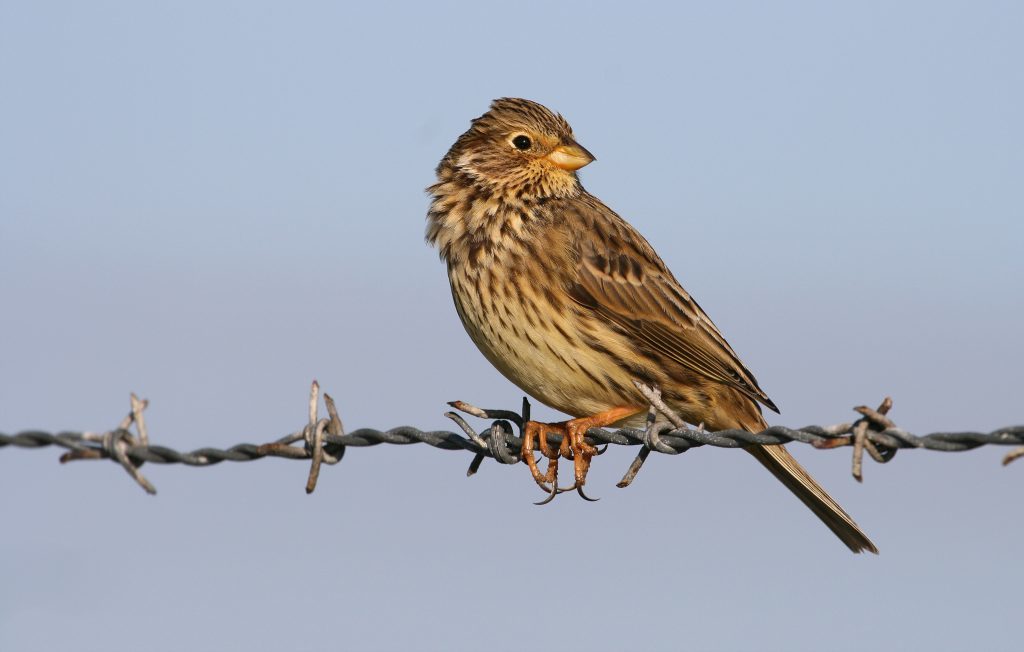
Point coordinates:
[[679, 440], [327, 438]]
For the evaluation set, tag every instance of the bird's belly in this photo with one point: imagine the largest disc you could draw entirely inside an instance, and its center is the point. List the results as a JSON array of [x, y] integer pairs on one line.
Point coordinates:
[[539, 346]]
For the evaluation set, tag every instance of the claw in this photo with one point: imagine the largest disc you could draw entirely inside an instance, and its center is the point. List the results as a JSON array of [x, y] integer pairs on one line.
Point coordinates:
[[562, 490], [544, 487], [551, 496], [579, 490]]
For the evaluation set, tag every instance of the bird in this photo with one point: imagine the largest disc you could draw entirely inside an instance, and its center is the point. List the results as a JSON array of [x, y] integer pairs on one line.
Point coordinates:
[[569, 302]]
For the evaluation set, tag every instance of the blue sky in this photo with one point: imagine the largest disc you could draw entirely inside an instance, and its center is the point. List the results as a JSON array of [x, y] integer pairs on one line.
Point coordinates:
[[211, 204]]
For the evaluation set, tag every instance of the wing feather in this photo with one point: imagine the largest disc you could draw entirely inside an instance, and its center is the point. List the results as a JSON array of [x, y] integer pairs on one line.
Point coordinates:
[[631, 287]]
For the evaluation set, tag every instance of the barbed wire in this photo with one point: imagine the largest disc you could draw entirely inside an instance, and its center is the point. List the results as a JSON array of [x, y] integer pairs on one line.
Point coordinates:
[[324, 441]]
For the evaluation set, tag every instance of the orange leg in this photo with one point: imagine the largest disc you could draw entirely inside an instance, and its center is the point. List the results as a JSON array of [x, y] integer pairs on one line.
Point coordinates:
[[582, 452], [533, 431], [574, 445]]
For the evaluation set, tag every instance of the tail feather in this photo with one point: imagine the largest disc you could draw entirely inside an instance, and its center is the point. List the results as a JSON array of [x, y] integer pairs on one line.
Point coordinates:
[[785, 467], [746, 415]]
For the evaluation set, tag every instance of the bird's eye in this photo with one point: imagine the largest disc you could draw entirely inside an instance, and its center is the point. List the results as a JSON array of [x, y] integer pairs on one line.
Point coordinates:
[[522, 142]]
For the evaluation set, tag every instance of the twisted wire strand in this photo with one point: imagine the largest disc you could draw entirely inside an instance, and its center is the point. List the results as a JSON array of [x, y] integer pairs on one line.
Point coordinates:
[[324, 440], [679, 440]]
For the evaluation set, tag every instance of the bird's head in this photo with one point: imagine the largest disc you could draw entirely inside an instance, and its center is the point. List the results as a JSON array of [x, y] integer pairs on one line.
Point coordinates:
[[520, 147]]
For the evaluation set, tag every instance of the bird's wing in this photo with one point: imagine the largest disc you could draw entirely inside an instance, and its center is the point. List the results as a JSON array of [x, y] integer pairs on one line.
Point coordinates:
[[621, 278]]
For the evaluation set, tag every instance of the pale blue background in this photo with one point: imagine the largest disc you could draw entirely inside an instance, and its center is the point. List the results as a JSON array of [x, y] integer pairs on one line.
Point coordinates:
[[212, 204]]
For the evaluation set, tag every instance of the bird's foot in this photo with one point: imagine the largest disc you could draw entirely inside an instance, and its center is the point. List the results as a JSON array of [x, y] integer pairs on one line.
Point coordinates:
[[535, 432], [574, 446]]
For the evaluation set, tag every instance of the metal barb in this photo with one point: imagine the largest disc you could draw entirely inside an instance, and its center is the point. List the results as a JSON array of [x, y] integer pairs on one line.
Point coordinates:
[[1012, 455], [333, 453], [313, 434], [861, 432], [118, 444]]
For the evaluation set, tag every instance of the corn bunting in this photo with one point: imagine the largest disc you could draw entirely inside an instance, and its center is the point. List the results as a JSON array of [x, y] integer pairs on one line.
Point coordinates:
[[571, 304]]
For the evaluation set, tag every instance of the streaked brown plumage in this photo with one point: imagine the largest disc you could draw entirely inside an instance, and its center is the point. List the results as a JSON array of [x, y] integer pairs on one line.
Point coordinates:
[[571, 304]]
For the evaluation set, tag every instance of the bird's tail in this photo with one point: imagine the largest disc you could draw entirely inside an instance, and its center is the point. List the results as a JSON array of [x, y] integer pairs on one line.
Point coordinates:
[[776, 458], [784, 466]]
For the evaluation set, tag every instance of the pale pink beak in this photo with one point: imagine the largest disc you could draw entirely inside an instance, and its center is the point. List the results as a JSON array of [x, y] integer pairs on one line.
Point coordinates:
[[570, 156]]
